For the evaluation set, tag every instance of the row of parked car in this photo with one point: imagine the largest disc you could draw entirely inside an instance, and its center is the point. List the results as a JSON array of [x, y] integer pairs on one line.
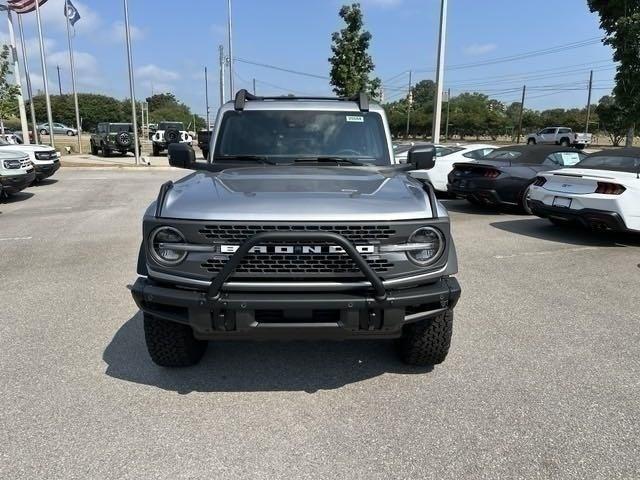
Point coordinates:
[[22, 165], [561, 183]]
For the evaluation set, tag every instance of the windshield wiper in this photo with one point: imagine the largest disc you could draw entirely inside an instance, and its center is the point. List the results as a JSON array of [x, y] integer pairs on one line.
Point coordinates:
[[255, 158], [329, 159]]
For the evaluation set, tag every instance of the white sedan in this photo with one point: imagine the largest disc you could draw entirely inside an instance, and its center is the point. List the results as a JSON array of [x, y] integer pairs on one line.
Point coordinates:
[[601, 192], [446, 156]]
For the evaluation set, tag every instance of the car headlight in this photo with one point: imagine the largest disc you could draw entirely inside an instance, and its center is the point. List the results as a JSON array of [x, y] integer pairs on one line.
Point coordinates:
[[160, 242], [433, 242], [11, 164]]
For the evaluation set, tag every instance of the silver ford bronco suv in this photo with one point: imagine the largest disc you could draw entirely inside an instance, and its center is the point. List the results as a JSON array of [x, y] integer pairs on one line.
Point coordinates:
[[300, 225]]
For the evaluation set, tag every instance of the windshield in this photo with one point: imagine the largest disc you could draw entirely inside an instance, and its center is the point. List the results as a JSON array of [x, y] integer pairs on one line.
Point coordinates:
[[168, 125], [120, 127], [615, 163], [299, 134]]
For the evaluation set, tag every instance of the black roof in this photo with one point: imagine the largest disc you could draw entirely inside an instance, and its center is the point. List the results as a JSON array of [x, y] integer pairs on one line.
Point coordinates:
[[618, 152], [535, 153]]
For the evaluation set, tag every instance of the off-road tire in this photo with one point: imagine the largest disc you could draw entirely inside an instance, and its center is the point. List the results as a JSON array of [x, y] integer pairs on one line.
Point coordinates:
[[426, 342], [106, 152], [94, 149], [124, 139], [565, 142], [156, 150], [172, 135], [172, 344]]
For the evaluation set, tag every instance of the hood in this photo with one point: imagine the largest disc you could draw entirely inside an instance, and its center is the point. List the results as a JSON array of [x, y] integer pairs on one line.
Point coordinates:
[[297, 193], [28, 148], [12, 154]]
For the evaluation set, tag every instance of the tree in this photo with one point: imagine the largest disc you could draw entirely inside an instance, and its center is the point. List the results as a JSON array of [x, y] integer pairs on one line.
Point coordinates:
[[351, 64], [95, 109], [612, 119], [161, 100], [166, 107], [620, 19], [8, 92]]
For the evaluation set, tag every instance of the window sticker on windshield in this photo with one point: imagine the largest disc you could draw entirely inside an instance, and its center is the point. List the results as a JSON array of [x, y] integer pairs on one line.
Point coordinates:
[[355, 118], [570, 158]]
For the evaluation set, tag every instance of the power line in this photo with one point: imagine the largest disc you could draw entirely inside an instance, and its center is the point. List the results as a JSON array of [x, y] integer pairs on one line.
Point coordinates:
[[281, 69]]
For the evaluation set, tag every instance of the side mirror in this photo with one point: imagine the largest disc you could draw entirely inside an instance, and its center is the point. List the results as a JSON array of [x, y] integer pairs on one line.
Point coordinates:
[[422, 157], [182, 155]]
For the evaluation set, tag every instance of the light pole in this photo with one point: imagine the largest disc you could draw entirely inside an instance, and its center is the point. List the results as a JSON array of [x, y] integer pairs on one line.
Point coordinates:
[[230, 34], [437, 112], [132, 88]]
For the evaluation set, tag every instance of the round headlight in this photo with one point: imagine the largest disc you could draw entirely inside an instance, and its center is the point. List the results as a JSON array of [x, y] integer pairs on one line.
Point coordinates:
[[433, 242], [160, 246]]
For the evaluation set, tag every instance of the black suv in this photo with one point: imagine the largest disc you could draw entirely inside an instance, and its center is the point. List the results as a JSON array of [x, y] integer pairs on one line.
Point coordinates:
[[113, 137]]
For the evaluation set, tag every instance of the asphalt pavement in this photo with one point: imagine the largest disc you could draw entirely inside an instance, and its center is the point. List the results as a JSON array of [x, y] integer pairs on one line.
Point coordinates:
[[542, 381]]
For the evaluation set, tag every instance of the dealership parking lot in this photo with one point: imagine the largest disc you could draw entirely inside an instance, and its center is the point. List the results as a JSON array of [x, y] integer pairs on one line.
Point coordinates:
[[543, 379]]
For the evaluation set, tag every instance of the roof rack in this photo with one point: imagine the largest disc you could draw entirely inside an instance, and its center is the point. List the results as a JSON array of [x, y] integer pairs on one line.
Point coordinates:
[[362, 99]]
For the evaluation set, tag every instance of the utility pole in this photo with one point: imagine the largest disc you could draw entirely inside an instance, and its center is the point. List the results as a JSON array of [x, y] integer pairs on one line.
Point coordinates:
[[446, 127], [409, 104], [524, 91], [59, 81], [230, 38], [132, 89], [586, 130], [437, 109], [254, 86], [221, 50], [206, 94]]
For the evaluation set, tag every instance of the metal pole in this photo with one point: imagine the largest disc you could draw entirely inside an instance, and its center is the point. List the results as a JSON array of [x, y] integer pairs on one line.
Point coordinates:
[[25, 63], [16, 75], [446, 127], [221, 50], [73, 79], [45, 78], [132, 89], [437, 113], [230, 34], [586, 130], [409, 104], [524, 91], [254, 86], [206, 94], [59, 81]]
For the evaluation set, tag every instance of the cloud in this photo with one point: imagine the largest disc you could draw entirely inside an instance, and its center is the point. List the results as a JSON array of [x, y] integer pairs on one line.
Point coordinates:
[[154, 78], [383, 3], [480, 48], [52, 14], [116, 32]]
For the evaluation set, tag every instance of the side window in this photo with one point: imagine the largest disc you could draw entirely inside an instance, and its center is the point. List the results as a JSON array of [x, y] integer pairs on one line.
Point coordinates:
[[564, 130], [547, 131], [102, 128], [552, 160], [477, 154]]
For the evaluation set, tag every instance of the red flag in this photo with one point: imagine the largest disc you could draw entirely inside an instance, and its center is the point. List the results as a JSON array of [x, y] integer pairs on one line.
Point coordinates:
[[24, 6]]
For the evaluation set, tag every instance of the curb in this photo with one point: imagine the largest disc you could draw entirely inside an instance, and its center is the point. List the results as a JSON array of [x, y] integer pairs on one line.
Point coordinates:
[[97, 166]]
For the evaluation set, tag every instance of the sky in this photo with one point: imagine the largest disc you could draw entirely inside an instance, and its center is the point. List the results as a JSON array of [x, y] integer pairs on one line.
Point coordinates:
[[173, 40]]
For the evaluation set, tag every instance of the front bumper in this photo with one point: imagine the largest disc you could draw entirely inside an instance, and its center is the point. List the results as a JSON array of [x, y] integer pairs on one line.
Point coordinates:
[[289, 315], [15, 183], [46, 170], [588, 217]]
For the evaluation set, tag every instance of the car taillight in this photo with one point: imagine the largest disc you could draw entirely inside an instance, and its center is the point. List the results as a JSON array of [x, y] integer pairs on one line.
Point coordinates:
[[490, 173], [540, 181], [609, 188]]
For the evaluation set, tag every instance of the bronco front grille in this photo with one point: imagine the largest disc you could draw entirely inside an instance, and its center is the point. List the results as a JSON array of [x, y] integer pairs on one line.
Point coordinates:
[[299, 264], [354, 233]]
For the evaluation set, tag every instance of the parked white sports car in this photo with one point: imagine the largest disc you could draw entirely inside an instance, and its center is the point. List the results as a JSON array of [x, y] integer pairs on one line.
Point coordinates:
[[601, 192], [446, 156]]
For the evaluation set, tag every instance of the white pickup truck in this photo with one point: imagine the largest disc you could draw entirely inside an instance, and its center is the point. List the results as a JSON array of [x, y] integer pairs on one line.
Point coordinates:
[[559, 136]]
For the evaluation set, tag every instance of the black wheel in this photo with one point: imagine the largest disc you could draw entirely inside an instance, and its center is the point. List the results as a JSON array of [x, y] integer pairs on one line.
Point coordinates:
[[70, 133], [124, 140], [524, 200], [172, 344], [564, 142], [172, 135], [44, 132], [106, 152], [94, 149], [531, 141], [426, 342], [156, 150]]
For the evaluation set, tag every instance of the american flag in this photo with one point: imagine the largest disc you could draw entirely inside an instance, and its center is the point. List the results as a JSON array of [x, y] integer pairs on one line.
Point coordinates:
[[24, 6]]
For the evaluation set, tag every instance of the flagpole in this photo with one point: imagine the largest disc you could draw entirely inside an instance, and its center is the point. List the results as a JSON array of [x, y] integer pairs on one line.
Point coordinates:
[[131, 82], [16, 76], [45, 79], [73, 78], [27, 75], [230, 39]]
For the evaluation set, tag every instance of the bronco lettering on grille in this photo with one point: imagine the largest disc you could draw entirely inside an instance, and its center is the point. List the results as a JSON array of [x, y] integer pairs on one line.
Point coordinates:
[[298, 249]]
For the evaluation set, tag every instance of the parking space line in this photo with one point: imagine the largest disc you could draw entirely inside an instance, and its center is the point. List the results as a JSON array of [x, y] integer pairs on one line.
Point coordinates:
[[545, 252], [14, 239]]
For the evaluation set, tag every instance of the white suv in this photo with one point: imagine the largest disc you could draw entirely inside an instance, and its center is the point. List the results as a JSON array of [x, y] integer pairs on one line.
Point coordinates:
[[16, 172], [44, 158]]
